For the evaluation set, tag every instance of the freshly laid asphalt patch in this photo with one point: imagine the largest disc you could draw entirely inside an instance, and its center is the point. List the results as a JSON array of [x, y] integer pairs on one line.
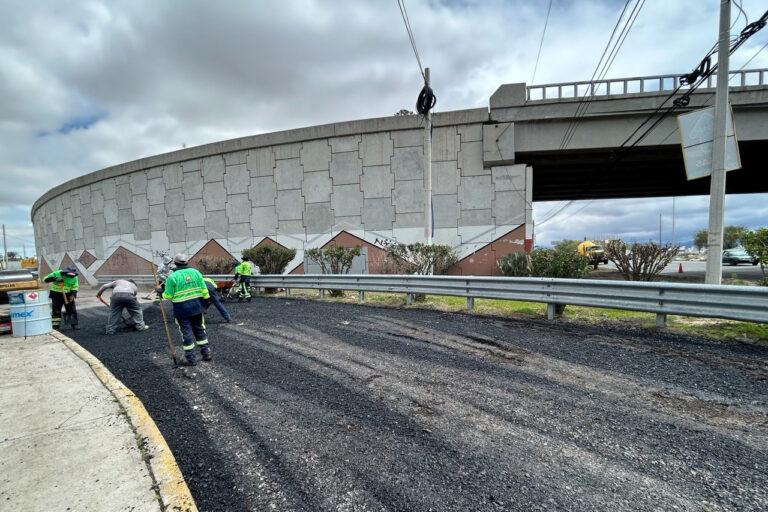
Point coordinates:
[[324, 406]]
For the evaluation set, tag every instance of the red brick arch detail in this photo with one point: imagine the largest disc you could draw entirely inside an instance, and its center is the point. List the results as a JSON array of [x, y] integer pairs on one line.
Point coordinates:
[[43, 267], [212, 249], [123, 262], [86, 259], [376, 255], [483, 262], [66, 261]]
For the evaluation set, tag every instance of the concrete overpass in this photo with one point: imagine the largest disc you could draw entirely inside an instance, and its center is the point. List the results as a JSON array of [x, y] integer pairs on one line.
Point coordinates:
[[532, 121]]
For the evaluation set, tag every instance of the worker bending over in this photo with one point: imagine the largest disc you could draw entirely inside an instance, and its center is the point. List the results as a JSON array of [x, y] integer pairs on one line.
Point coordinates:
[[215, 299], [185, 288], [123, 298], [243, 277], [63, 292]]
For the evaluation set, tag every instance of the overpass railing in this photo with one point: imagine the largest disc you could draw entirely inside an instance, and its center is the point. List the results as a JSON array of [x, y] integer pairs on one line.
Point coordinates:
[[636, 85], [746, 303]]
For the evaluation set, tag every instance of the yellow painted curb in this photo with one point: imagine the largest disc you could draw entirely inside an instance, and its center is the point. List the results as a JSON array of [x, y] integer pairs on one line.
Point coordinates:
[[173, 490]]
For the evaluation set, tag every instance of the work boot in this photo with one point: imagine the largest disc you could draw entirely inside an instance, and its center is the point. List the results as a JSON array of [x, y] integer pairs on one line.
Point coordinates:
[[186, 362], [142, 328], [206, 353]]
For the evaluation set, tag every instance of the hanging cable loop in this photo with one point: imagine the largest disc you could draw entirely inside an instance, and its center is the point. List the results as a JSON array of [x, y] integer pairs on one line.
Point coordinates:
[[426, 100]]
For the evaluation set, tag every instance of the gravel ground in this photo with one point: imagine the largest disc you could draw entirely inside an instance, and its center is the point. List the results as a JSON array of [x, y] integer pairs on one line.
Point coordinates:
[[314, 405]]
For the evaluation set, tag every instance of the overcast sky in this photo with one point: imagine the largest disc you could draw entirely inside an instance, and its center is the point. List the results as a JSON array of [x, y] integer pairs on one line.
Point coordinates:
[[85, 85]]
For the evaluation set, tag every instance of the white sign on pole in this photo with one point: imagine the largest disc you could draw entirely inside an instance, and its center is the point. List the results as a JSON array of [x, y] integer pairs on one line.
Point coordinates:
[[697, 130]]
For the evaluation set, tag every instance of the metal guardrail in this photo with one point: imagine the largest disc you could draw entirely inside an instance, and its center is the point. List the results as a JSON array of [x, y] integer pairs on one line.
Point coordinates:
[[634, 85], [746, 303]]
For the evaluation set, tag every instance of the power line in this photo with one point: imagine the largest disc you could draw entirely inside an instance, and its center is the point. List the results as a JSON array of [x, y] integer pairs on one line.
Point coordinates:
[[411, 38], [603, 66], [611, 57], [698, 76], [541, 42]]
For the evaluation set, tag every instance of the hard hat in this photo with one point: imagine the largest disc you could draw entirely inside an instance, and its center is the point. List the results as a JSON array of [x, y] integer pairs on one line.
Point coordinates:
[[70, 271], [181, 259], [167, 260]]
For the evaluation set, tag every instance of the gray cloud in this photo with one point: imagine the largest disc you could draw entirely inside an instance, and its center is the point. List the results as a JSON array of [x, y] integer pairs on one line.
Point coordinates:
[[159, 75]]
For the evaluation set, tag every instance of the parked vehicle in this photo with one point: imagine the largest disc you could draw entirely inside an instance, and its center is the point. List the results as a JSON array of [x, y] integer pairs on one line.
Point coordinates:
[[595, 252], [738, 255]]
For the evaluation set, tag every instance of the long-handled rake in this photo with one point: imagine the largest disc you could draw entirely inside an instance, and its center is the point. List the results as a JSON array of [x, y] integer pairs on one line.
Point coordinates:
[[171, 347]]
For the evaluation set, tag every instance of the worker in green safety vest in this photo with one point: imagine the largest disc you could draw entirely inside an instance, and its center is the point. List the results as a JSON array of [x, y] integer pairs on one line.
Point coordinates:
[[63, 292], [186, 289], [243, 277]]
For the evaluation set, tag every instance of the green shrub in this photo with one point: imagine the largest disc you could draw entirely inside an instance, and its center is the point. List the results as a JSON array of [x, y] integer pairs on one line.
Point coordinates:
[[215, 266], [558, 263], [515, 264], [566, 245], [419, 258], [334, 259], [271, 259], [755, 242]]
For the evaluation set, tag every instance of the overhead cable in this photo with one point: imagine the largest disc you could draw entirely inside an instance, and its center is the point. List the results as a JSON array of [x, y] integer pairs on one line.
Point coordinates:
[[611, 57], [541, 42], [703, 71], [411, 38], [603, 66]]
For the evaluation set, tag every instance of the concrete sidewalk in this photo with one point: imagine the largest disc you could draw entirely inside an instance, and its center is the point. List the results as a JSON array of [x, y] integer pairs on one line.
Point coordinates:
[[68, 440]]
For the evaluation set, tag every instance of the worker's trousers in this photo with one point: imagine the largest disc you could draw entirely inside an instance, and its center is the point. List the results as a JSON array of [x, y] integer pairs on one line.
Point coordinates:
[[124, 301], [57, 302], [245, 287], [193, 333], [216, 301]]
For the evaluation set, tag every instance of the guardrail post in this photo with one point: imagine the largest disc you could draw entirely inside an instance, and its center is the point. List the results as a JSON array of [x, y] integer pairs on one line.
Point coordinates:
[[470, 303], [409, 299], [287, 292], [551, 310], [661, 320], [361, 296], [322, 293]]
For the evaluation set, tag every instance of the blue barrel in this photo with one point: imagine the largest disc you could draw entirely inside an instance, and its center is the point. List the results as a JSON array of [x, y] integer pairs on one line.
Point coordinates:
[[30, 312]]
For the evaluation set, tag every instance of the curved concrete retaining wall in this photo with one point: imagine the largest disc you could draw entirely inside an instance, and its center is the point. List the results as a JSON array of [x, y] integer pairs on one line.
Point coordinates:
[[355, 182]]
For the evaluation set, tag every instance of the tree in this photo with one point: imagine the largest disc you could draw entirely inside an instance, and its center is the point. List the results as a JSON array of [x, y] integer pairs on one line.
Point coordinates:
[[640, 262], [419, 258], [405, 112], [566, 245], [271, 259], [13, 256], [732, 236], [334, 259], [215, 266], [756, 244]]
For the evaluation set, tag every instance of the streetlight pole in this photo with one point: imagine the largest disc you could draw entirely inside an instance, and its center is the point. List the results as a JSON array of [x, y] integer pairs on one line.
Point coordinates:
[[427, 169], [717, 184]]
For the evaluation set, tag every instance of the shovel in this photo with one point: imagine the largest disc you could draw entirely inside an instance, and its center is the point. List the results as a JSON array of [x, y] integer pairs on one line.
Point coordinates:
[[66, 318]]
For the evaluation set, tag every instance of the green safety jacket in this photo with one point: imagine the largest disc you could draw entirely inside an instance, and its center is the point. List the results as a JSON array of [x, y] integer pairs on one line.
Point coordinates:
[[209, 280], [244, 268], [61, 283], [185, 284]]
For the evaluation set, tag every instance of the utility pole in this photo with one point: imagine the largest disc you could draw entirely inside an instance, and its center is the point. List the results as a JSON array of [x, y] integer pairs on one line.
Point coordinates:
[[5, 252], [428, 172], [427, 169], [717, 185], [674, 234], [659, 229]]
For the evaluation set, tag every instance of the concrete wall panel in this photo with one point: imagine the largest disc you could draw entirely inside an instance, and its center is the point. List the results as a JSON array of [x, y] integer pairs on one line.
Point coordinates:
[[299, 192]]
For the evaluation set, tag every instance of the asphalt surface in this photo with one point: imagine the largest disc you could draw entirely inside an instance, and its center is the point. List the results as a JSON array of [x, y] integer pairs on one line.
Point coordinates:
[[313, 405]]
